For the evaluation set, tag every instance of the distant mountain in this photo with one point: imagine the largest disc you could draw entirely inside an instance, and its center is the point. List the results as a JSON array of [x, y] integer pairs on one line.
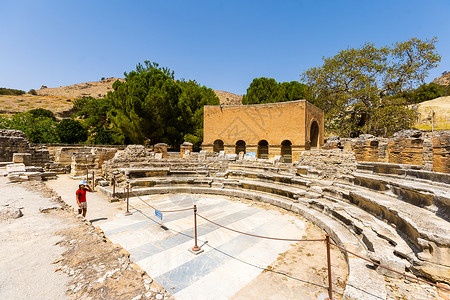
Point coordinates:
[[443, 80], [99, 89], [227, 98], [96, 89]]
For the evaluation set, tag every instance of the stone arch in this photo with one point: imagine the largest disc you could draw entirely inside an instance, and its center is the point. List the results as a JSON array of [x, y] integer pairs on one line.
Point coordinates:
[[240, 147], [263, 149], [218, 146], [286, 151], [314, 135]]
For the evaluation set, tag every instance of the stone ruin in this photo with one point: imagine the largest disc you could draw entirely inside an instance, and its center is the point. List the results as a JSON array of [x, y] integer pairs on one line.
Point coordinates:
[[15, 147], [396, 214], [430, 150], [374, 196]]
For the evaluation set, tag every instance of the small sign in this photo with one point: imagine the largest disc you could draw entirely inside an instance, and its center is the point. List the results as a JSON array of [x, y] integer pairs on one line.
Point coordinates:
[[251, 154], [158, 214]]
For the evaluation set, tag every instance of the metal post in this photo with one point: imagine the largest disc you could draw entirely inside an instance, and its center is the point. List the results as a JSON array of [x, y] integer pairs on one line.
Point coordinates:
[[330, 284], [128, 200], [114, 186], [93, 180], [196, 247]]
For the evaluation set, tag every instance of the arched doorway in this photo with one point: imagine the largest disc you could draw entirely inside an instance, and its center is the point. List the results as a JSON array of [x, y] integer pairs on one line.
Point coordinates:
[[314, 135], [240, 146], [286, 151], [263, 149], [218, 146]]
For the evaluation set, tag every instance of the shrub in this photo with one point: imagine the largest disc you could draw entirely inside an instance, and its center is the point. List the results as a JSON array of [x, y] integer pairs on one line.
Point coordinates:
[[13, 92], [71, 131]]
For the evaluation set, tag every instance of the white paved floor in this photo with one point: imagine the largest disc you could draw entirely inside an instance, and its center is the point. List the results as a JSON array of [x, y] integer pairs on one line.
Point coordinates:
[[229, 261]]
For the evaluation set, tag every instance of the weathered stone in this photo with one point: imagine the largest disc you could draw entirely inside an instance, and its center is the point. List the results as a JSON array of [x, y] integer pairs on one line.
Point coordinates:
[[24, 158], [10, 213], [19, 167]]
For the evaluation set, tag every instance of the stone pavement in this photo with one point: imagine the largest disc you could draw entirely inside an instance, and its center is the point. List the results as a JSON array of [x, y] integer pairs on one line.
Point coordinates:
[[229, 261]]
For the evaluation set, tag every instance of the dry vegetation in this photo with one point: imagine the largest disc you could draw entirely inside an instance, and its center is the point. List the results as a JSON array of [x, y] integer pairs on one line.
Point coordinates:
[[60, 100], [10, 105], [441, 108]]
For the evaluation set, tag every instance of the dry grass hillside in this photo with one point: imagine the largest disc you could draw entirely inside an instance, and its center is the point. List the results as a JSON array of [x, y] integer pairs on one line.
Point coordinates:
[[227, 98], [10, 105], [441, 109], [60, 99], [96, 89], [443, 80]]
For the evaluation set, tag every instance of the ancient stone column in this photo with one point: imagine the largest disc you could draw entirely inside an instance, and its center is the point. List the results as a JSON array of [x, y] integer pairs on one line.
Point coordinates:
[[161, 148], [186, 148], [441, 152]]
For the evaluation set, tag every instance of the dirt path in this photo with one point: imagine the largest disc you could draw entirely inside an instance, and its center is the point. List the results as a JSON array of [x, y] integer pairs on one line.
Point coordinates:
[[28, 247], [53, 254]]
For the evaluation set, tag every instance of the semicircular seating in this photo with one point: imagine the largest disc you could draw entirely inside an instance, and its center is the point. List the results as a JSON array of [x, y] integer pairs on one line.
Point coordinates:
[[395, 215]]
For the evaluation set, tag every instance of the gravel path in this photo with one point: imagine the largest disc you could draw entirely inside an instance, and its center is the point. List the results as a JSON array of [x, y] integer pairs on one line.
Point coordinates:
[[28, 247]]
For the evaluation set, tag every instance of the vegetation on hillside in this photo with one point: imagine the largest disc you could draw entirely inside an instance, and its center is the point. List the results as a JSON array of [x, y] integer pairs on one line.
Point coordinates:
[[360, 90], [13, 92], [150, 105]]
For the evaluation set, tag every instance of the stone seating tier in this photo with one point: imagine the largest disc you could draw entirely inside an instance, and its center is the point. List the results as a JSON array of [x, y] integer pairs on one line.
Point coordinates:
[[422, 194], [413, 238], [360, 279]]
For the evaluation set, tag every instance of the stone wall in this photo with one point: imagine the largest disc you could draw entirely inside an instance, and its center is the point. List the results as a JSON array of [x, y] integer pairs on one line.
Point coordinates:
[[15, 141], [441, 152], [92, 160], [431, 150], [330, 164], [249, 128]]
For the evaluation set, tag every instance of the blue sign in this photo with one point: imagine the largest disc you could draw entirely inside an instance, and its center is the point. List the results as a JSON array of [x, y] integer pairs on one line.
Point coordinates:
[[251, 154], [158, 214]]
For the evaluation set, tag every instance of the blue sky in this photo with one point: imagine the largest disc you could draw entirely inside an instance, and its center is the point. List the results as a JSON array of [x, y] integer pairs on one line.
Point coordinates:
[[221, 44]]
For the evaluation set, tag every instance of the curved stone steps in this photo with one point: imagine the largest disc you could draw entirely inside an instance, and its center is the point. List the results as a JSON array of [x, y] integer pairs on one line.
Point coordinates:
[[384, 245], [428, 234], [363, 282], [435, 198], [412, 232]]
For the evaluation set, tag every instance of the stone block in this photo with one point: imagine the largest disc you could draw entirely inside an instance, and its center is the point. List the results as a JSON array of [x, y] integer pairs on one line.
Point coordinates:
[[19, 167], [24, 158]]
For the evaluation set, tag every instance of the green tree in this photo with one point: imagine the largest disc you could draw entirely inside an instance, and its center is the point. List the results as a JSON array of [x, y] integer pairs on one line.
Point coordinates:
[[95, 116], [38, 129], [190, 106], [356, 85], [42, 112], [71, 131], [14, 92], [151, 104], [268, 90]]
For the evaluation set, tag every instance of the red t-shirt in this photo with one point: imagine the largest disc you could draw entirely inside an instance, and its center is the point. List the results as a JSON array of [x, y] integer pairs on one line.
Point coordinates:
[[82, 195]]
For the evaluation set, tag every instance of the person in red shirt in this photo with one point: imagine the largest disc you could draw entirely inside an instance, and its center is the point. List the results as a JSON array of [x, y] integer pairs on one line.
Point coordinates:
[[83, 187]]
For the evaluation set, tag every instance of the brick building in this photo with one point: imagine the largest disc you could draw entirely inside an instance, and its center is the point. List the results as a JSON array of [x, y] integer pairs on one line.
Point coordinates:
[[264, 130]]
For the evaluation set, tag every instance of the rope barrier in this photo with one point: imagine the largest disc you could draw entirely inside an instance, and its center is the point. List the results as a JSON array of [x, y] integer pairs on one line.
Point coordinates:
[[260, 236], [163, 211], [403, 274], [291, 240]]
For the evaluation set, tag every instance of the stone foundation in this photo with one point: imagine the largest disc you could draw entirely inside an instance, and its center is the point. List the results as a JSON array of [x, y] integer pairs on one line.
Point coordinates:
[[431, 150], [15, 141]]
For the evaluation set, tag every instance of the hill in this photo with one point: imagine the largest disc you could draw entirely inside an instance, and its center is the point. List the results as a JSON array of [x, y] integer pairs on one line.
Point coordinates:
[[441, 109], [60, 99], [96, 89], [443, 80], [227, 98]]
